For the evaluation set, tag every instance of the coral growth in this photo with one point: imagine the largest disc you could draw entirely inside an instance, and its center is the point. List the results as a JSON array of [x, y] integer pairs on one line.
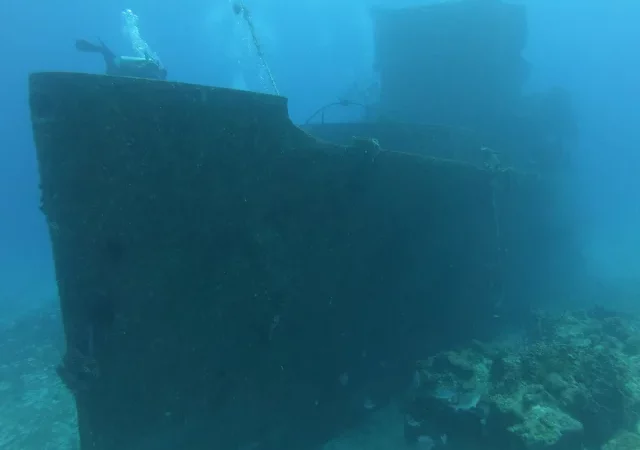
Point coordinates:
[[571, 382], [36, 411]]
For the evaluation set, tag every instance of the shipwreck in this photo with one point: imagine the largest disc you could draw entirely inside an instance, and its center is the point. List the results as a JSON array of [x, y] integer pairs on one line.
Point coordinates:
[[222, 271]]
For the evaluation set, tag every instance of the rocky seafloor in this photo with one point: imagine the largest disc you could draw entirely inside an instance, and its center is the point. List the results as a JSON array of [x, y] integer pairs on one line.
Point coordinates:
[[569, 382], [36, 410]]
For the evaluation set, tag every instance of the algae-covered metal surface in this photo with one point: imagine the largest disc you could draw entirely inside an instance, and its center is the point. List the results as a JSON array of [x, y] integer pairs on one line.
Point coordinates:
[[221, 272], [454, 63], [418, 139], [457, 68]]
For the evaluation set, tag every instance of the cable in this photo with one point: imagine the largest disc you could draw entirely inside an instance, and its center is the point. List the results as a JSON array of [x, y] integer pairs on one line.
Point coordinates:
[[240, 9], [322, 109]]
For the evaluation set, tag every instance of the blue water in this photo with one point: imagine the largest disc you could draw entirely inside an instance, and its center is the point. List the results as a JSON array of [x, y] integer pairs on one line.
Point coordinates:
[[316, 50], [589, 47]]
